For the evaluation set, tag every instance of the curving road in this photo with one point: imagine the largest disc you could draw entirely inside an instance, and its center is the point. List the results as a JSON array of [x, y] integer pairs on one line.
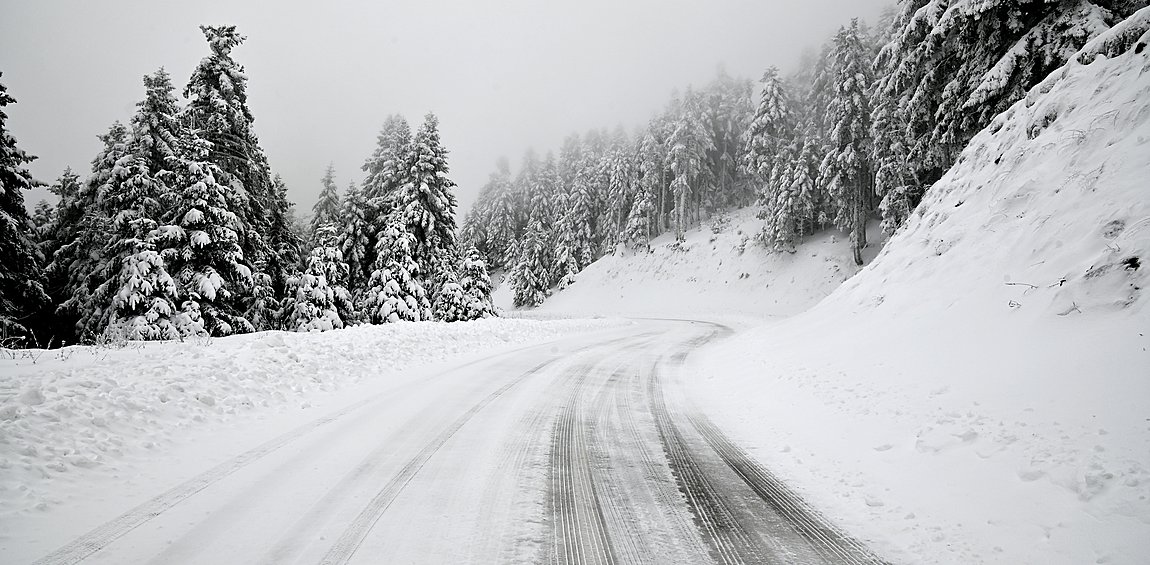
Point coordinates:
[[577, 451]]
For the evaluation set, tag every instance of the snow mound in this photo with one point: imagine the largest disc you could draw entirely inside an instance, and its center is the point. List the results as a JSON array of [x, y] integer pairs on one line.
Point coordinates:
[[720, 268], [66, 411], [980, 392]]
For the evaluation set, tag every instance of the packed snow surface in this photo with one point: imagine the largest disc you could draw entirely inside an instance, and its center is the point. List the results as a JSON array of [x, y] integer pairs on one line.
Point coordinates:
[[83, 415]]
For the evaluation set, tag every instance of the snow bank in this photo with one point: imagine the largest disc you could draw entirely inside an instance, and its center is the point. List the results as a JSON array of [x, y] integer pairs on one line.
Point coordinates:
[[981, 392], [65, 412], [718, 269]]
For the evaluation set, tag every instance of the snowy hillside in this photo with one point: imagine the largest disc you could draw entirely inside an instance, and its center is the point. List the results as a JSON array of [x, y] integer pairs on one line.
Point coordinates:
[[719, 268], [980, 392]]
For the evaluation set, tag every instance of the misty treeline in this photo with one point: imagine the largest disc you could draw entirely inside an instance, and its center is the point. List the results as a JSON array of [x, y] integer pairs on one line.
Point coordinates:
[[865, 126], [180, 229]]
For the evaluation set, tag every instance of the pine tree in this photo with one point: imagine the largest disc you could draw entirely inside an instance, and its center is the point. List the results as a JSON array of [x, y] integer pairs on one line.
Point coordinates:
[[21, 274], [638, 231], [81, 263], [426, 207], [285, 257], [387, 168], [622, 183], [320, 301], [952, 65], [846, 167], [476, 286], [355, 238], [529, 275], [326, 210], [218, 110], [689, 143], [395, 291], [500, 216], [199, 240], [772, 127]]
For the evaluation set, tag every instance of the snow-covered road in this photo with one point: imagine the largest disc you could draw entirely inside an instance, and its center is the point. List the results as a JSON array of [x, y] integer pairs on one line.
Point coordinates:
[[581, 450]]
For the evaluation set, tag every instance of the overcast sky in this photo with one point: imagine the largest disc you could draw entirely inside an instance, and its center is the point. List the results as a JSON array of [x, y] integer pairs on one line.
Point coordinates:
[[502, 75]]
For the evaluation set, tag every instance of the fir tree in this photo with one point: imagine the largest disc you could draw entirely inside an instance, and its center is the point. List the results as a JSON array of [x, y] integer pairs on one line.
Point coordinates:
[[81, 264], [320, 301], [689, 144], [426, 207], [846, 166], [529, 275], [218, 110], [475, 283], [772, 128], [285, 257], [21, 274], [326, 210], [355, 238], [395, 291], [199, 238]]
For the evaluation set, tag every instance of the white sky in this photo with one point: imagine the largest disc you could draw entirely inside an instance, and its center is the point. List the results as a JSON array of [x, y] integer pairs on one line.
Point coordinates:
[[502, 75]]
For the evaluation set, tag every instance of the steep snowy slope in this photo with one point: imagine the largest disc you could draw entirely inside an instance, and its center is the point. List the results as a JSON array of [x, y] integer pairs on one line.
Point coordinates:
[[718, 269], [980, 393]]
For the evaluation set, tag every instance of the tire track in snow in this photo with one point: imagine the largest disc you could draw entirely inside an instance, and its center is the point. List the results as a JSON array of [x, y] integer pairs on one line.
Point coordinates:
[[348, 542], [833, 545], [96, 539], [579, 527], [735, 545]]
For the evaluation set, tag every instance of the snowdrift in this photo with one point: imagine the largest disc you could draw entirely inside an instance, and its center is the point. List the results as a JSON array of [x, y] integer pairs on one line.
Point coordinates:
[[980, 393]]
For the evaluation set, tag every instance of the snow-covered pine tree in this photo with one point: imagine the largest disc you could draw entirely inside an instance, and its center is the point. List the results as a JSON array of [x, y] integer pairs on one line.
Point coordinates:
[[426, 204], [218, 109], [476, 286], [529, 276], [846, 166], [81, 264], [143, 305], [387, 168], [43, 215], [395, 291], [21, 269], [952, 65], [771, 132], [320, 301], [136, 296], [622, 184], [732, 110], [580, 221], [689, 143], [502, 213], [653, 174], [638, 230], [284, 259], [199, 240], [792, 212], [326, 210], [354, 238]]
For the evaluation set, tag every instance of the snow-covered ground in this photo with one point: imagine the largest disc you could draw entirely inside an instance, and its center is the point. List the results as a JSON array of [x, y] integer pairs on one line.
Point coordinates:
[[85, 417], [980, 393], [719, 268]]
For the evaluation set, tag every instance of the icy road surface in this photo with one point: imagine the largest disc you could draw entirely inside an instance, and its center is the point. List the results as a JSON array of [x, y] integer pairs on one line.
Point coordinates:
[[581, 450]]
